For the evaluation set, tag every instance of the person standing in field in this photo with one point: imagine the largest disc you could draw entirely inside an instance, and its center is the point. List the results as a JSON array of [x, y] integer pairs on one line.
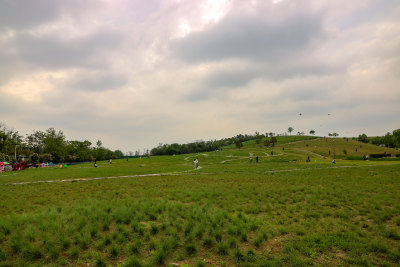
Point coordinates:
[[196, 163], [95, 164]]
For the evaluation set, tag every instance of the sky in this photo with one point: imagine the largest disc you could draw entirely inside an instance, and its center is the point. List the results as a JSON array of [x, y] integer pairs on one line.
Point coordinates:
[[135, 73]]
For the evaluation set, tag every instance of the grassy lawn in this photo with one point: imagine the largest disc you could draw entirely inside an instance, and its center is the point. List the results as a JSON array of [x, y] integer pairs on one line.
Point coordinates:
[[279, 211]]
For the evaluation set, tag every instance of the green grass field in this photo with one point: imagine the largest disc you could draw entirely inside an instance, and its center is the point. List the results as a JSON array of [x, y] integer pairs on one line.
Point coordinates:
[[230, 212]]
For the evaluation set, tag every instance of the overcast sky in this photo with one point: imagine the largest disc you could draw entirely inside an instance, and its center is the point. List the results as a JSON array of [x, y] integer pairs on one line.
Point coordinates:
[[135, 73]]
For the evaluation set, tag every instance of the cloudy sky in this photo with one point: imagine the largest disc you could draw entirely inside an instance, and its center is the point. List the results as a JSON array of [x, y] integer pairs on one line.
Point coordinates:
[[135, 73]]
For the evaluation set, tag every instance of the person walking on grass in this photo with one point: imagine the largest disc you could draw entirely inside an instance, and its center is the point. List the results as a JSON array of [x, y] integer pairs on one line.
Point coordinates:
[[95, 164], [196, 163]]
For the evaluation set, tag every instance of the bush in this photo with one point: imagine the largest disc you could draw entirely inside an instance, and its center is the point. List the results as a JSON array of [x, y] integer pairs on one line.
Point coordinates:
[[353, 158], [4, 157], [191, 249], [379, 155], [132, 261], [3, 256]]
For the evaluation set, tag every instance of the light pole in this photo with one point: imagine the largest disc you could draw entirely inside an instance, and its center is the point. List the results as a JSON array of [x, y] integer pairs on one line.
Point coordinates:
[[15, 148]]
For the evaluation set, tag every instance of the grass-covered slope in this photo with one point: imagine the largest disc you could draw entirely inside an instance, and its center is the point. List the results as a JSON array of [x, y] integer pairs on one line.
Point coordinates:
[[230, 212]]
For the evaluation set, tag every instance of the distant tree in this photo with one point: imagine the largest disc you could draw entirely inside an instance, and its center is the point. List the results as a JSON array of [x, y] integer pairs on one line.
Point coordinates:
[[267, 142], [363, 138], [45, 157], [312, 132], [396, 138], [35, 141], [273, 140], [118, 154], [99, 143], [271, 134], [329, 134], [54, 143], [389, 140], [335, 134], [290, 130], [238, 144]]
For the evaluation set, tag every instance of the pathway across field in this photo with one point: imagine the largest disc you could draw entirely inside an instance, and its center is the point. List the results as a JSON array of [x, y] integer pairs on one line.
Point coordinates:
[[191, 172]]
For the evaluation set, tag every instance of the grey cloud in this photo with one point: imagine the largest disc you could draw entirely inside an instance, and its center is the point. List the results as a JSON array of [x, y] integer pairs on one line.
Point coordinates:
[[51, 51], [257, 37], [20, 13], [95, 81]]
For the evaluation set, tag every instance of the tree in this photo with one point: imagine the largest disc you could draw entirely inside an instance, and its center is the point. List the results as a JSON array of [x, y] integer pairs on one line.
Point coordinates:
[[238, 143], [99, 143], [312, 132], [290, 130], [273, 140], [363, 138], [35, 141], [396, 137], [118, 154], [267, 142], [54, 143]]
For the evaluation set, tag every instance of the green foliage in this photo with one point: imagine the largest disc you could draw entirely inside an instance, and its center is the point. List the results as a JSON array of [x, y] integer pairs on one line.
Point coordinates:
[[238, 144], [363, 138]]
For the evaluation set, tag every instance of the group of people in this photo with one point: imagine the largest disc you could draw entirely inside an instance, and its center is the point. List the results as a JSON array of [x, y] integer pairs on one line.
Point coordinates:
[[109, 161], [17, 166], [251, 158]]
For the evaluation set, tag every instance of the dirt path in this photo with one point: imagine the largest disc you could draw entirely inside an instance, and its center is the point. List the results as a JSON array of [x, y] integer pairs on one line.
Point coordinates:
[[332, 167], [190, 172]]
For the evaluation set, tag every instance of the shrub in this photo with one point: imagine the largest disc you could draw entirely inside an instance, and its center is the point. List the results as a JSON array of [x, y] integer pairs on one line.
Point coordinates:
[[135, 247], [154, 229], [239, 256], [132, 261], [3, 256], [114, 252], [222, 249], [191, 249], [207, 242], [160, 256], [74, 253], [100, 262]]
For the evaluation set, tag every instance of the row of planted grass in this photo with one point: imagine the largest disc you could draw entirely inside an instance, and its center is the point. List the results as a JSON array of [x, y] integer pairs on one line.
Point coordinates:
[[345, 216]]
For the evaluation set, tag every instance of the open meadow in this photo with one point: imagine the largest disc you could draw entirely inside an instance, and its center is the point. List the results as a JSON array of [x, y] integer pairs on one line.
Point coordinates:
[[154, 211]]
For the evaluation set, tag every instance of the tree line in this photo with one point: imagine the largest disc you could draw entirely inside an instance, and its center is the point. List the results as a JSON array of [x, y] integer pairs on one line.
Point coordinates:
[[204, 146], [50, 146], [389, 139]]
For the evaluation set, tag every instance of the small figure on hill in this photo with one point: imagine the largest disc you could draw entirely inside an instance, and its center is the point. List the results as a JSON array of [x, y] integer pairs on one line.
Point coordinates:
[[110, 161], [196, 163], [333, 161], [257, 159], [95, 164], [364, 157], [308, 159], [251, 158]]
